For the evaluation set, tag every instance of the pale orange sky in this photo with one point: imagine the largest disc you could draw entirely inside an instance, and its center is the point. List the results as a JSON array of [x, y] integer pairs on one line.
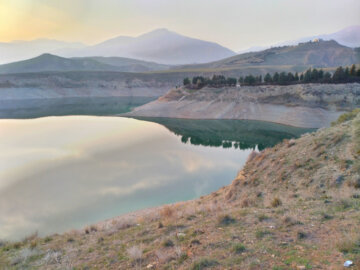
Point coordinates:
[[232, 23]]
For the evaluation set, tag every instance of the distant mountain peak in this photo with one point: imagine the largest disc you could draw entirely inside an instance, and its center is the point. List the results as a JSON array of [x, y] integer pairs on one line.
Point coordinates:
[[160, 32]]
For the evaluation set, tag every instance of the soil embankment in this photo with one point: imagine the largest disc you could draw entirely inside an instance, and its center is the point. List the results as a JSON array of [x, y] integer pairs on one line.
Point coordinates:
[[307, 105]]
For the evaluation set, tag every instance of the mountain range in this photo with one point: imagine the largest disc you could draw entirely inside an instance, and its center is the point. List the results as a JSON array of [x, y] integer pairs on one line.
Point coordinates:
[[321, 54], [349, 36], [161, 46], [49, 62], [21, 50]]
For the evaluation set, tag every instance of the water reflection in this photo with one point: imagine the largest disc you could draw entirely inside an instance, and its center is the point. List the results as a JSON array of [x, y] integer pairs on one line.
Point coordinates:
[[59, 173], [32, 108], [241, 134]]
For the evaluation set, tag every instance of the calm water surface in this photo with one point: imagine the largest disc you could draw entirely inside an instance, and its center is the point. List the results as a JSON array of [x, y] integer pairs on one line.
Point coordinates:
[[60, 173]]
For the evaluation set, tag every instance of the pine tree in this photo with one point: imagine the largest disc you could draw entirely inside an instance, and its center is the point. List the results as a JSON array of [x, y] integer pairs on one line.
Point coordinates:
[[307, 76], [267, 78], [276, 77], [296, 77], [353, 70], [339, 75], [186, 81], [327, 77]]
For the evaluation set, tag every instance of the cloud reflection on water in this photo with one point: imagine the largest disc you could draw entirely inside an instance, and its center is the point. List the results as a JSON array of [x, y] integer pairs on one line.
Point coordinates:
[[59, 173]]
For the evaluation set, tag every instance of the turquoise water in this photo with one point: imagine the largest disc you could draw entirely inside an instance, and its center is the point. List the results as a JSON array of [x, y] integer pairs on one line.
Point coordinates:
[[62, 173]]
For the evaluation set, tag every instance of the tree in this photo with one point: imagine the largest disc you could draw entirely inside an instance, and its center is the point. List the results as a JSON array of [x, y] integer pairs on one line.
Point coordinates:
[[347, 72], [358, 72], [290, 77], [327, 77], [307, 76], [267, 78], [241, 80], [301, 77], [186, 81], [296, 77], [283, 78], [258, 79], [314, 75], [231, 81], [339, 75], [353, 70], [276, 77], [250, 79]]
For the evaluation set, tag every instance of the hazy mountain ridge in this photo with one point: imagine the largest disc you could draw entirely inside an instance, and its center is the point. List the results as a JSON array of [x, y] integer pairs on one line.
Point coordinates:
[[20, 50], [349, 36], [325, 54], [49, 62], [313, 54], [161, 45]]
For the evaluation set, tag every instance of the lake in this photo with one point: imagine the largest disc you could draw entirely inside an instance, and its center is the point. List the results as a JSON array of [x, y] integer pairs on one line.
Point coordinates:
[[62, 173]]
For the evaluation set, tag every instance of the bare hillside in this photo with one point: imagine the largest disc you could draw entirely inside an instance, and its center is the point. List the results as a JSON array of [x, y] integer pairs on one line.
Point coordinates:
[[307, 105]]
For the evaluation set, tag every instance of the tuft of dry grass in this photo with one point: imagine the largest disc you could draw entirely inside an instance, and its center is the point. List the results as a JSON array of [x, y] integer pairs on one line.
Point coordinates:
[[276, 202], [167, 212], [135, 252]]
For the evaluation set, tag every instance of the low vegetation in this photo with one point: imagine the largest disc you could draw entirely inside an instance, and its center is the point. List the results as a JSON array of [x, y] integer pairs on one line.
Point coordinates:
[[303, 212]]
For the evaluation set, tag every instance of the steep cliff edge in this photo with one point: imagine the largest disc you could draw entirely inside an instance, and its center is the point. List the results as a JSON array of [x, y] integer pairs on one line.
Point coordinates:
[[302, 105]]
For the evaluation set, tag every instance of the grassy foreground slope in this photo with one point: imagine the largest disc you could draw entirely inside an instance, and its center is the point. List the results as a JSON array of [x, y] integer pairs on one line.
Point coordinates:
[[293, 206]]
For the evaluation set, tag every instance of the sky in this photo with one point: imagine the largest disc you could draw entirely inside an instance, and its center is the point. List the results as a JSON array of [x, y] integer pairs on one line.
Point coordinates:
[[236, 24]]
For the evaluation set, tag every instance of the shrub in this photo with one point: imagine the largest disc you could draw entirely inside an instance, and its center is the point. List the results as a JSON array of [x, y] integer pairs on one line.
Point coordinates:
[[135, 252], [166, 212], [203, 263], [346, 117], [70, 240], [276, 202], [325, 216], [349, 246], [261, 233], [47, 239], [262, 217], [195, 242], [300, 235], [168, 243], [239, 248], [226, 220]]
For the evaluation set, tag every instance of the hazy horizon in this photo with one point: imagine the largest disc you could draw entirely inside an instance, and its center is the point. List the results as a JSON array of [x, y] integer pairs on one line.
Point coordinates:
[[262, 23]]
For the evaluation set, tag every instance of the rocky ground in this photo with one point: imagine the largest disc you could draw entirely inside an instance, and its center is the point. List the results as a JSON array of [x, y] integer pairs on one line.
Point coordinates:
[[302, 105], [293, 206]]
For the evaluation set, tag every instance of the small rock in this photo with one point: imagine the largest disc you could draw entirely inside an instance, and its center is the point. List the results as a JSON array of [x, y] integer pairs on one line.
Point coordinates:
[[150, 266], [348, 264], [291, 142], [301, 267], [181, 234]]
